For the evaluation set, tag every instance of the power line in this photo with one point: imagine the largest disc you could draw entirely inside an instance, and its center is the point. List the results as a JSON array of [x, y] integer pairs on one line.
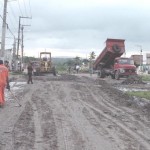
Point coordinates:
[[30, 8], [1, 4], [20, 8], [7, 27], [11, 21], [25, 8], [12, 11]]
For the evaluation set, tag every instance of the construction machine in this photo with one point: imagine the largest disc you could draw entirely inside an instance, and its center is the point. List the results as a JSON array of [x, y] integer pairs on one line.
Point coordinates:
[[44, 65]]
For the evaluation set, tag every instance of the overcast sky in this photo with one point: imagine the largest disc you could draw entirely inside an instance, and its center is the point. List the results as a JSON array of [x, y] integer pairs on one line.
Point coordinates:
[[77, 27]]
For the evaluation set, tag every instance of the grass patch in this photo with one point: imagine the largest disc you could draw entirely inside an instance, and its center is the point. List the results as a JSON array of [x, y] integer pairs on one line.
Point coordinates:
[[145, 77], [141, 94]]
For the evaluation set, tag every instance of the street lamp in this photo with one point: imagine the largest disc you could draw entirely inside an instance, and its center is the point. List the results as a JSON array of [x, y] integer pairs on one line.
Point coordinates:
[[141, 60]]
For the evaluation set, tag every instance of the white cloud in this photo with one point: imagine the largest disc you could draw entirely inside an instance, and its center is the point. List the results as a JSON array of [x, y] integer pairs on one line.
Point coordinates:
[[75, 27]]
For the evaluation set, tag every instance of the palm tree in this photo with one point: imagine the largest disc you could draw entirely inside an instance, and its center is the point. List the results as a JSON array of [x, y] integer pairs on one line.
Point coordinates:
[[92, 55], [91, 59]]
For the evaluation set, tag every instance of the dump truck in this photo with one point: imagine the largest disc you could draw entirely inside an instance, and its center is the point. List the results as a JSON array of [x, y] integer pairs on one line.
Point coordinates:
[[44, 64], [110, 63]]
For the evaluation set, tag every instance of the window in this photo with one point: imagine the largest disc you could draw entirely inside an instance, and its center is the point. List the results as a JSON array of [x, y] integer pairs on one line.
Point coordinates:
[[126, 61]]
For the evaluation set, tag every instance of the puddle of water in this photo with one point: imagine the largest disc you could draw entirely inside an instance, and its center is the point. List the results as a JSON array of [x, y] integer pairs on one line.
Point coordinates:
[[130, 90], [14, 86]]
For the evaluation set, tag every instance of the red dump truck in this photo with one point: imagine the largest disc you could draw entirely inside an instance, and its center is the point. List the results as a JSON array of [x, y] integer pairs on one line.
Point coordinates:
[[110, 62]]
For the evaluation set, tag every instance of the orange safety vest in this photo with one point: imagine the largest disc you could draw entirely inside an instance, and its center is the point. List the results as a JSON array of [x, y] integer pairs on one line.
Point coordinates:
[[3, 82], [3, 75]]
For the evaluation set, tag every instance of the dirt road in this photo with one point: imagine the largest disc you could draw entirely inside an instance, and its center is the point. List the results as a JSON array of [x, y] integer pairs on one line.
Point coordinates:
[[72, 113]]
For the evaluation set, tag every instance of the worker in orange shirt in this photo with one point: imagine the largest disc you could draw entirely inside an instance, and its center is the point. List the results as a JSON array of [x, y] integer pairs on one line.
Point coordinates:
[[4, 82]]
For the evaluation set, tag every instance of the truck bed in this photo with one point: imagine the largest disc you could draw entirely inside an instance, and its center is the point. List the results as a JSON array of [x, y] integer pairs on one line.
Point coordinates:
[[114, 48]]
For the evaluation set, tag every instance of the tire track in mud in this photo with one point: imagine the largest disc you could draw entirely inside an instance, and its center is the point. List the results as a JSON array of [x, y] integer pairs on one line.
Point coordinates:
[[72, 138], [133, 119], [65, 128], [45, 128], [139, 122], [107, 113], [97, 123], [35, 128], [23, 133], [63, 112], [126, 131], [120, 113], [78, 123]]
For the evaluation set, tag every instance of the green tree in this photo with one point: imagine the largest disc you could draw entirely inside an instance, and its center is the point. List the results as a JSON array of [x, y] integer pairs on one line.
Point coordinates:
[[70, 62], [92, 55], [77, 60], [91, 60], [85, 61], [27, 59]]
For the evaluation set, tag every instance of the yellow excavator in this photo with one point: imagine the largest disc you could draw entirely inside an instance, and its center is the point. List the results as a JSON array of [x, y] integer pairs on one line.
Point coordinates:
[[45, 64]]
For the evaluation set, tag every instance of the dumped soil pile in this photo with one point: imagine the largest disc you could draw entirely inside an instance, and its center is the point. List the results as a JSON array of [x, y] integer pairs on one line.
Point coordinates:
[[133, 79], [117, 95]]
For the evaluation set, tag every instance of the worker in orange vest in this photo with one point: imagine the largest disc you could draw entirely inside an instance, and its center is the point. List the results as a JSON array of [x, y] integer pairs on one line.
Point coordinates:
[[4, 82]]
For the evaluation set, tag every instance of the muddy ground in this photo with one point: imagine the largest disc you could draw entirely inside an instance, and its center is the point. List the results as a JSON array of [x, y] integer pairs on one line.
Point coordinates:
[[73, 112]]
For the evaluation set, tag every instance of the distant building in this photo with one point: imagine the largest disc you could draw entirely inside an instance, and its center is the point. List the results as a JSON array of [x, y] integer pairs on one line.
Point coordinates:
[[148, 58], [138, 59]]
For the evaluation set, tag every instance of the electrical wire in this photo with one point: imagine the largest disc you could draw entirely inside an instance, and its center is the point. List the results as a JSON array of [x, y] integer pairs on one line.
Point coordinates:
[[30, 8], [25, 8], [12, 23], [7, 27], [12, 12], [20, 8]]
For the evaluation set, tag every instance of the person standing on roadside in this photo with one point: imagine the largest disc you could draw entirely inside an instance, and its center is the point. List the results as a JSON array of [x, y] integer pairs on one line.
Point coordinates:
[[4, 82], [77, 68], [69, 69], [30, 71]]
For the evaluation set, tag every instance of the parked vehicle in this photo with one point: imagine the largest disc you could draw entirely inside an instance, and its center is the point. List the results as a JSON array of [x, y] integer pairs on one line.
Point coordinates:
[[110, 62]]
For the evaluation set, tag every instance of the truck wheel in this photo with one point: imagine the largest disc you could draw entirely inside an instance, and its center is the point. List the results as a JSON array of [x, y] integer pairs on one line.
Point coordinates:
[[113, 76], [54, 71], [101, 74], [117, 75]]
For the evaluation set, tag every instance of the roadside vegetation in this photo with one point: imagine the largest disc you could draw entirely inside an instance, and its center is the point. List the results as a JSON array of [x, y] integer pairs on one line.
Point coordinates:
[[141, 94], [146, 77]]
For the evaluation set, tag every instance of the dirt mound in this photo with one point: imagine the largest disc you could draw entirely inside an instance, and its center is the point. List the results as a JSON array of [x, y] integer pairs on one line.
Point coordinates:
[[61, 77], [133, 79]]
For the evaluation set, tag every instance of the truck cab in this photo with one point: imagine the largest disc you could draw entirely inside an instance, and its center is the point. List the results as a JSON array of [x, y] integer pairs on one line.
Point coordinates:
[[123, 67]]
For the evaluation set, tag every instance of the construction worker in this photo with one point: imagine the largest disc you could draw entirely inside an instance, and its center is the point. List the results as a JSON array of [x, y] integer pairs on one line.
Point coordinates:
[[30, 70], [77, 68], [4, 82]]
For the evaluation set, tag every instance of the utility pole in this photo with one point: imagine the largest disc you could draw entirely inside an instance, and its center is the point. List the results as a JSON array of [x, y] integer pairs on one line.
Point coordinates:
[[19, 27], [18, 43], [14, 49], [18, 37], [4, 25], [15, 63], [22, 45], [141, 59]]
